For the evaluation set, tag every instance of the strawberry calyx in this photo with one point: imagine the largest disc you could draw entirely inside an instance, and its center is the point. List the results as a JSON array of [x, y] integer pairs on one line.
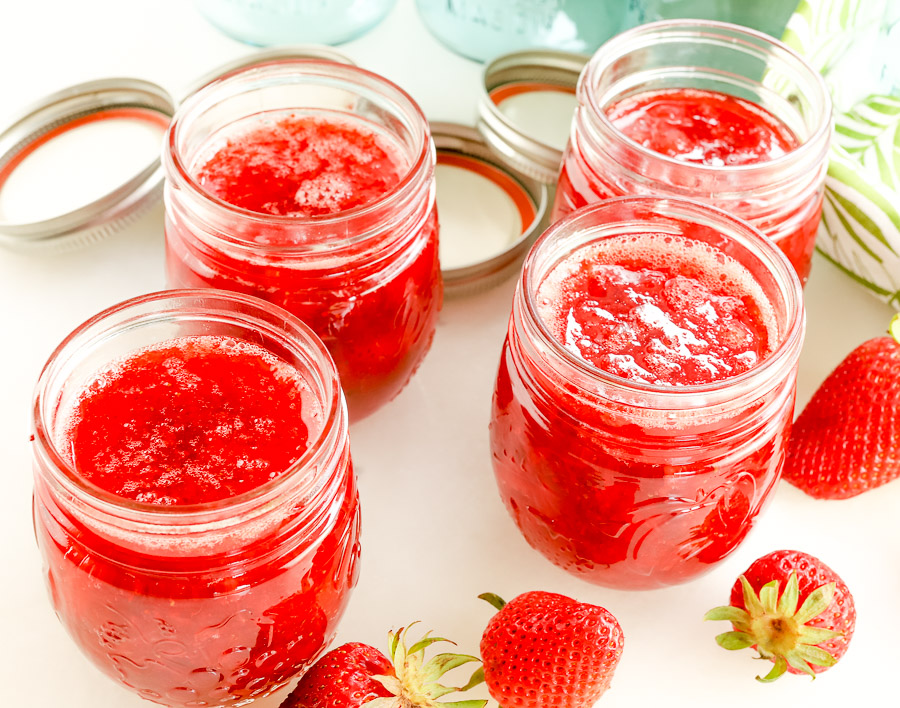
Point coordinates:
[[415, 684], [894, 328], [493, 600], [774, 625]]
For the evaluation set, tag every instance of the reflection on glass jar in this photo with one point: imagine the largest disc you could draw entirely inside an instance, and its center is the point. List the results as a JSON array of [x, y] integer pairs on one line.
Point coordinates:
[[270, 22], [704, 111], [481, 29], [769, 16], [643, 465], [311, 184], [140, 414]]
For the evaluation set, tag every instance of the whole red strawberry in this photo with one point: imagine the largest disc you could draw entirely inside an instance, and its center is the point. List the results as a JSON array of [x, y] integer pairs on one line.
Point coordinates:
[[793, 609], [543, 650], [342, 678], [356, 674], [847, 439]]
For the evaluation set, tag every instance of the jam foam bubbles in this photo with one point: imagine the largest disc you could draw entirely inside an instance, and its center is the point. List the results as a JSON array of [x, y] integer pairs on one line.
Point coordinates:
[[190, 420], [658, 308]]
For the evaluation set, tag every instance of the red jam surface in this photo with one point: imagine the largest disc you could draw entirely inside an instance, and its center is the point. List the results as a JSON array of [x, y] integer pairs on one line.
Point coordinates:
[[189, 620], [699, 127], [302, 166], [376, 313], [193, 420], [636, 495], [631, 307], [702, 127]]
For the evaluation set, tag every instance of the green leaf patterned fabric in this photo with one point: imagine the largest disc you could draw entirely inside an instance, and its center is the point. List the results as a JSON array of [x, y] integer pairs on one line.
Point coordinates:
[[856, 46]]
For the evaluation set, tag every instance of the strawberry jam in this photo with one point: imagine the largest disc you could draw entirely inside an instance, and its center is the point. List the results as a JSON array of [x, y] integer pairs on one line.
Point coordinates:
[[645, 390], [191, 421], [634, 307], [302, 165], [718, 114], [324, 212], [194, 502], [702, 127], [709, 129]]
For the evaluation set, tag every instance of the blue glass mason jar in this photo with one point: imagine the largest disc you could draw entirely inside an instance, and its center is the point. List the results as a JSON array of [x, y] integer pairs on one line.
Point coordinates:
[[483, 29], [270, 22], [769, 16]]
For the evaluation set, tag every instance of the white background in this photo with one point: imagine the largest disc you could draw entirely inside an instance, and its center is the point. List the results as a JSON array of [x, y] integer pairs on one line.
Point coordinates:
[[435, 533]]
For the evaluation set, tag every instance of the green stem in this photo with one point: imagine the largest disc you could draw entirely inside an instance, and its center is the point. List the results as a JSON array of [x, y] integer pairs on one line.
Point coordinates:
[[495, 600]]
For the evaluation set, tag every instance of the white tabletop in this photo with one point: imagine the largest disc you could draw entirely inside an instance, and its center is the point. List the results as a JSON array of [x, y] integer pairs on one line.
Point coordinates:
[[435, 532]]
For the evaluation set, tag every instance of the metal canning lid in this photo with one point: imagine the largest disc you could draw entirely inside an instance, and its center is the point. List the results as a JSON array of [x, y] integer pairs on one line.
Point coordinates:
[[81, 163], [264, 56], [526, 108], [489, 214]]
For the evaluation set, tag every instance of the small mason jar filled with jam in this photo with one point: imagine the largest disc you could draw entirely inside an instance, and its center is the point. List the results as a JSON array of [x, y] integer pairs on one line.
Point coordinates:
[[646, 389], [194, 501], [707, 111], [310, 184]]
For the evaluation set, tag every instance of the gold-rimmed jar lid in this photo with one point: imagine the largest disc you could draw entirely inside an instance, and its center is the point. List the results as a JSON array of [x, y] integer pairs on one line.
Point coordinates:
[[490, 214], [526, 107], [81, 163]]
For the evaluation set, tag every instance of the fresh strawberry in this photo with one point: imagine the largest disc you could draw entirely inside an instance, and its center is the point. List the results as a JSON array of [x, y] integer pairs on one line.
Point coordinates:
[[847, 439], [355, 675], [807, 640], [543, 650]]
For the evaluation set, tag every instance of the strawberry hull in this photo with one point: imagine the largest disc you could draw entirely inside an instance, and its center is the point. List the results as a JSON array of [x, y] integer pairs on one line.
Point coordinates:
[[791, 608], [629, 484]]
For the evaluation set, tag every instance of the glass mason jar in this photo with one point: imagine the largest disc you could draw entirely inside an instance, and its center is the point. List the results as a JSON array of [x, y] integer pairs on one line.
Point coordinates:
[[270, 22], [782, 197], [366, 279], [208, 604], [483, 29], [769, 16], [631, 484]]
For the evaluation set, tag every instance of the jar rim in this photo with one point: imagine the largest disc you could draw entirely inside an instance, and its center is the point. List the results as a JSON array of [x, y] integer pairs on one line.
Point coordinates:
[[286, 69], [717, 32], [791, 338], [92, 332]]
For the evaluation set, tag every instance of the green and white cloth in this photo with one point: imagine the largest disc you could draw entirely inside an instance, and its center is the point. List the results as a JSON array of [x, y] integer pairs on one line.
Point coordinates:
[[855, 44]]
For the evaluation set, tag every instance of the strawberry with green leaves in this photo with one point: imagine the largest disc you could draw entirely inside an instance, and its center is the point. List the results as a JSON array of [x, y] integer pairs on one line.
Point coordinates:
[[543, 650], [793, 609], [356, 675], [847, 439]]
